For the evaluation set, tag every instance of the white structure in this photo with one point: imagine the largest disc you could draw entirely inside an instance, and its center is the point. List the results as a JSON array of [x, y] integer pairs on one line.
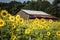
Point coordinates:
[[31, 14], [35, 12]]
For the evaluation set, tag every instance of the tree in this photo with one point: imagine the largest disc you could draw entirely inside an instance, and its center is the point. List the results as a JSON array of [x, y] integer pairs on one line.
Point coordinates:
[[56, 3], [51, 10], [41, 6], [38, 5], [13, 7]]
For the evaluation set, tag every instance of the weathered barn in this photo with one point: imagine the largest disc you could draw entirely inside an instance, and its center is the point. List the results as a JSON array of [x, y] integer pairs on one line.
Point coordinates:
[[31, 14]]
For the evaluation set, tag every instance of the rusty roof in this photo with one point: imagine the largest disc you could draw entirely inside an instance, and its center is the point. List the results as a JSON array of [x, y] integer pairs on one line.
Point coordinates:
[[42, 16]]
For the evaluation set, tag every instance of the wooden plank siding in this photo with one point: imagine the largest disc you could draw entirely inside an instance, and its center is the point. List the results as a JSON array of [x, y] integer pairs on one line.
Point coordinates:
[[29, 14], [23, 15]]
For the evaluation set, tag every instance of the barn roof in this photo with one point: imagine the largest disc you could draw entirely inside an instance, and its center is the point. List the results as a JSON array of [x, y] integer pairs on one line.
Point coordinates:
[[39, 14], [35, 12]]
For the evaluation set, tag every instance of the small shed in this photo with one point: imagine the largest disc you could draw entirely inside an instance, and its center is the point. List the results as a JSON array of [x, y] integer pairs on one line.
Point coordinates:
[[31, 14]]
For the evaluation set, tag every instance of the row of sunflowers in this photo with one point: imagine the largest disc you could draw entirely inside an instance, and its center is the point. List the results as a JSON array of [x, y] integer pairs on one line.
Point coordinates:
[[16, 28]]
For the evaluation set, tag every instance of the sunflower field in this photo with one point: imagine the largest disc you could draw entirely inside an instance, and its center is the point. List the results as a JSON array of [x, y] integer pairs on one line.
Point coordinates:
[[16, 28]]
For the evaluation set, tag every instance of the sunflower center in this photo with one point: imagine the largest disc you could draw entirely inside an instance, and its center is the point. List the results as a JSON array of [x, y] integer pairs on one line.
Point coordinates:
[[13, 26], [46, 26], [58, 32], [1, 22], [42, 20], [20, 20], [4, 13], [27, 30], [48, 33], [12, 18], [17, 17], [36, 22]]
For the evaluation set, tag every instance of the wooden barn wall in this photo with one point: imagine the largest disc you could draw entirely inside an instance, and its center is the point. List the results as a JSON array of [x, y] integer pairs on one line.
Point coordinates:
[[23, 15]]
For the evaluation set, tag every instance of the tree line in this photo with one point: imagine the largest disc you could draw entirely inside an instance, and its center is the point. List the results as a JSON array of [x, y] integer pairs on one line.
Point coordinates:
[[13, 7]]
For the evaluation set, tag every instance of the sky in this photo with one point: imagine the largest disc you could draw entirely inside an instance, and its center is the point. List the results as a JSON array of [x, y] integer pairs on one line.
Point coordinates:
[[21, 0]]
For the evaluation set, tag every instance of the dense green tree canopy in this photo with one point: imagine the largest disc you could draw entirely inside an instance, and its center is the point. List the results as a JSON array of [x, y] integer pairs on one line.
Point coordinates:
[[13, 7], [56, 3], [41, 6]]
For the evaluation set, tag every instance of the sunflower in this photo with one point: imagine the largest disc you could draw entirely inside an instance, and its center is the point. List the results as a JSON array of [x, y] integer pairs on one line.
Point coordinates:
[[31, 26], [36, 22], [13, 37], [27, 31], [18, 17], [11, 18], [21, 20], [43, 20], [36, 19], [48, 33], [40, 26], [13, 26], [2, 22], [8, 15], [46, 26], [17, 22], [4, 13], [51, 21], [58, 33]]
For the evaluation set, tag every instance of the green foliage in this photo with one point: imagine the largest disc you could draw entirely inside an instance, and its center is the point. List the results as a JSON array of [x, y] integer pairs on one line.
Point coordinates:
[[16, 28], [51, 10], [55, 3], [41, 6], [13, 7]]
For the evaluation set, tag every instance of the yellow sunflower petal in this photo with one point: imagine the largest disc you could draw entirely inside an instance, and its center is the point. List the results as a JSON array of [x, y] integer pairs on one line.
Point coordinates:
[[27, 31], [4, 13], [48, 33], [13, 37], [51, 21], [17, 17], [2, 22], [43, 20], [58, 33], [11, 18]]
